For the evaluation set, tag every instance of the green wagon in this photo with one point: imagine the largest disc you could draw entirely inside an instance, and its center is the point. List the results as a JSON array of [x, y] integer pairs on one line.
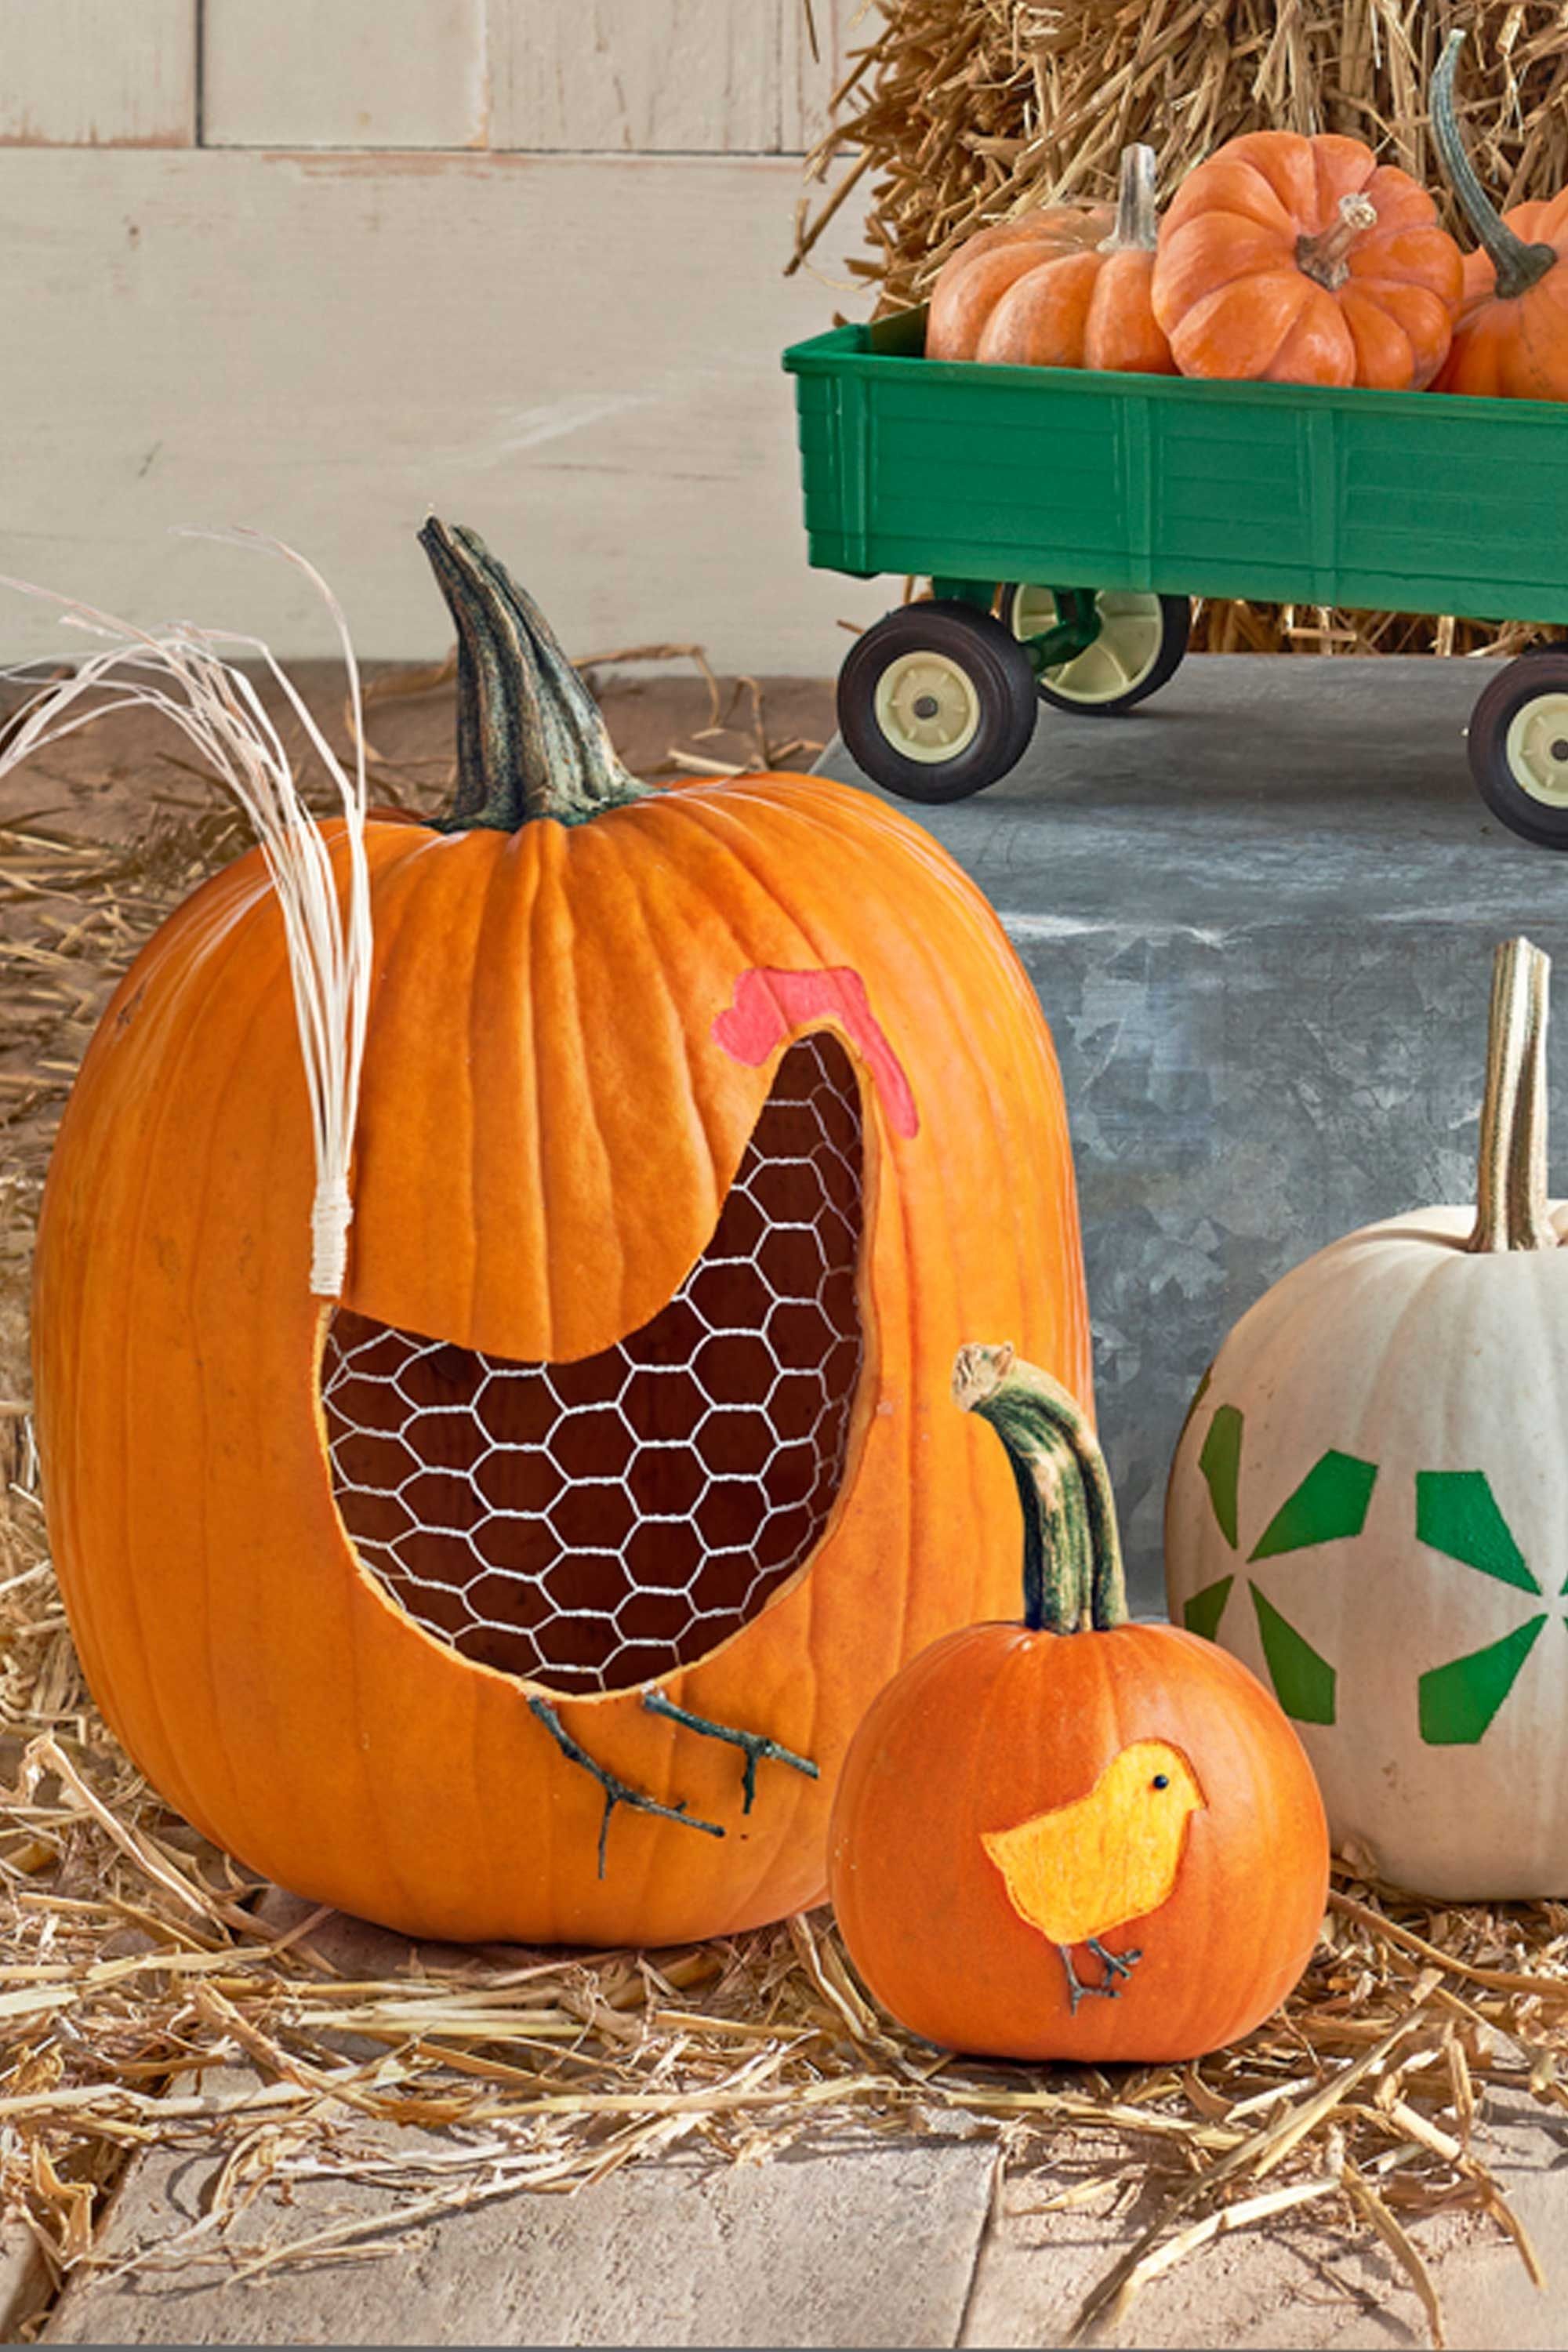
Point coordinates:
[[1065, 519]]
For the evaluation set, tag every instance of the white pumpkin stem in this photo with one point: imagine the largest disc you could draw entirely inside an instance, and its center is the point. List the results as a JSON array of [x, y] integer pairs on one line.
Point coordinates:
[[1511, 1203], [1136, 230], [186, 674]]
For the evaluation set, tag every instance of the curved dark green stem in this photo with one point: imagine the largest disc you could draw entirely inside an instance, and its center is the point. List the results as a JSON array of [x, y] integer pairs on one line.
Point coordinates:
[[1073, 1579], [1519, 266], [531, 742]]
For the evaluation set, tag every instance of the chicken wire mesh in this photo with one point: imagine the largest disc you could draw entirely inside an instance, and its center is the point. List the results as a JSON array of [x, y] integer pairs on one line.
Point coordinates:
[[590, 1526]]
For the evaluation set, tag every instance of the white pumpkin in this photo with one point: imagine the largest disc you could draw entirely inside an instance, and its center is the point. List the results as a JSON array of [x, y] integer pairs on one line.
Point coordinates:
[[1369, 1506]]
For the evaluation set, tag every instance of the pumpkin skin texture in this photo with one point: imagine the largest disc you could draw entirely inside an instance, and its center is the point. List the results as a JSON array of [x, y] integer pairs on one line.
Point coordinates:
[[1058, 289], [1515, 346], [1290, 260], [972, 281], [548, 1128], [1020, 1790], [1511, 339], [1368, 1505]]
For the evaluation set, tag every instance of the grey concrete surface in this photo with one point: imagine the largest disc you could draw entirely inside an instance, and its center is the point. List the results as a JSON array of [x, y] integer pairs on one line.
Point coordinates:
[[859, 2244], [845, 2240], [1298, 2283], [1259, 913], [26, 2282]]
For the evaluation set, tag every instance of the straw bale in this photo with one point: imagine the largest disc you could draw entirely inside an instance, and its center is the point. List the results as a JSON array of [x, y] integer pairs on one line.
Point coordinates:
[[955, 113]]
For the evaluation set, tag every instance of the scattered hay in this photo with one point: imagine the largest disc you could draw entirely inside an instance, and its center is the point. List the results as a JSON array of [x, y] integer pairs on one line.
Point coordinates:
[[153, 1997], [957, 112], [136, 1978]]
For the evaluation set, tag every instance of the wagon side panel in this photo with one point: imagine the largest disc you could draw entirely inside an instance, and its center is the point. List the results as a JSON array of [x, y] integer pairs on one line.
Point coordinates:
[[1455, 506]]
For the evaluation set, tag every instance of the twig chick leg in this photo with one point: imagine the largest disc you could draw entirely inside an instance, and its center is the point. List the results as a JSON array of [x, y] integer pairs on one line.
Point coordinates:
[[756, 1747], [617, 1790]]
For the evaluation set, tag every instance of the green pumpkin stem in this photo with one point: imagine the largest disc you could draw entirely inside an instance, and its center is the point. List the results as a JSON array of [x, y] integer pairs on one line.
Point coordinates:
[[1512, 1204], [1073, 1578], [1519, 266], [531, 742], [1136, 230]]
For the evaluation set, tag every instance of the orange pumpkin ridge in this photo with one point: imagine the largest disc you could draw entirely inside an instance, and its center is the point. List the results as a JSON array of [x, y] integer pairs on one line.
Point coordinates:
[[1299, 260], [1062, 287], [1511, 339], [550, 1135], [1045, 1833]]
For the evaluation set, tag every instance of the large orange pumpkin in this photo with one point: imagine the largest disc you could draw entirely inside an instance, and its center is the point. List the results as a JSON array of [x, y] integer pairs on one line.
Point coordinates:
[[1511, 341], [534, 1588], [1064, 287], [1304, 260], [1075, 1837]]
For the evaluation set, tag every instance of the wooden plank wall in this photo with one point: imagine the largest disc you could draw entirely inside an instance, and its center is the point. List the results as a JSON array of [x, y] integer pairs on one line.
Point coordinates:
[[97, 73], [321, 264], [698, 77]]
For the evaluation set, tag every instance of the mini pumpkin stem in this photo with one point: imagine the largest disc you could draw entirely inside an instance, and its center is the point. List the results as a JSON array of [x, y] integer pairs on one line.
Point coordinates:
[[1325, 256], [531, 740], [1136, 229], [1073, 1578], [1511, 1203], [1519, 267]]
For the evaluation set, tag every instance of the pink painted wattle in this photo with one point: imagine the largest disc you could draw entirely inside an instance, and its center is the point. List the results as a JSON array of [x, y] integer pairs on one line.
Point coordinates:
[[771, 1005]]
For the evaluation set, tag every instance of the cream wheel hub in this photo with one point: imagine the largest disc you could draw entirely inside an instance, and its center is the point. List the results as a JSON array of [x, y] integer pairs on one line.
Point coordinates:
[[1131, 630], [1538, 748], [927, 707]]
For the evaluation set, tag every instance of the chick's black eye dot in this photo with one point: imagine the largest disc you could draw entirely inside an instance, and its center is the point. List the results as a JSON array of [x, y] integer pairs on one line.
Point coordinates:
[[1162, 1780]]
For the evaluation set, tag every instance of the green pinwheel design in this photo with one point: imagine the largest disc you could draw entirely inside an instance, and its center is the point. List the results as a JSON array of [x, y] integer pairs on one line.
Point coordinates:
[[1331, 1503], [1456, 1514]]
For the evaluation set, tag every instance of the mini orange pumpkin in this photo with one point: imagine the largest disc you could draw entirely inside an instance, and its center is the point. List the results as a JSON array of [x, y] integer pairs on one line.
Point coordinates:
[[1304, 260], [611, 1484], [1512, 341], [1058, 289], [1076, 1837]]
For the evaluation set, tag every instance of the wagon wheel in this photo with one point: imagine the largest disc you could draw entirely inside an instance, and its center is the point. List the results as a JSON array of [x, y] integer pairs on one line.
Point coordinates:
[[937, 701], [1519, 746], [1140, 645]]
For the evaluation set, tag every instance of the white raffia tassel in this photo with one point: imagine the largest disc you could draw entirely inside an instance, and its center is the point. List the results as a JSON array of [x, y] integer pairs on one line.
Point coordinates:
[[190, 675], [332, 1214]]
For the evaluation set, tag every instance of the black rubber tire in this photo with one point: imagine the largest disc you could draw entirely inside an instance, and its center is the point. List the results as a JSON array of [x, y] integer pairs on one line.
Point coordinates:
[[1542, 671], [996, 667], [1176, 629]]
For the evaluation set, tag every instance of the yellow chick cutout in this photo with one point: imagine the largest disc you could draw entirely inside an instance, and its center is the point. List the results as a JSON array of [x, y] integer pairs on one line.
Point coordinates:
[[1089, 1867]]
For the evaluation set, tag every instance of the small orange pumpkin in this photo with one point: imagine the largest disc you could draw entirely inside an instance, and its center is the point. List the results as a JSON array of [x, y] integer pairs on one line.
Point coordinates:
[[1512, 341], [591, 1494], [1290, 260], [1067, 287], [1045, 1834]]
